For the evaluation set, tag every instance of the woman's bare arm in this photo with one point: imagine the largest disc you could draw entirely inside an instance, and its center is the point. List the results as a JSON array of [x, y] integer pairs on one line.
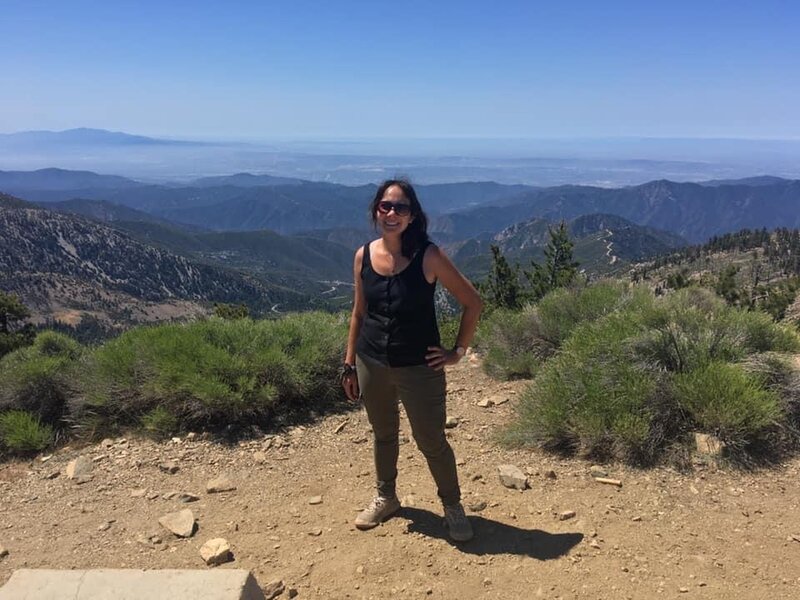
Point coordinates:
[[350, 383], [437, 265]]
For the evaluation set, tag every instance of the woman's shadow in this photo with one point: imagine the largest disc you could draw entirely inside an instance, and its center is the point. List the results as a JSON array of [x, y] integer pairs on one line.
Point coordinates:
[[493, 537]]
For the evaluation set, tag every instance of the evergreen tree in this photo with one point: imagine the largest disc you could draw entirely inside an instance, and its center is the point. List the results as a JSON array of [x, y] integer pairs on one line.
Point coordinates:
[[502, 289], [13, 333], [726, 285], [559, 268]]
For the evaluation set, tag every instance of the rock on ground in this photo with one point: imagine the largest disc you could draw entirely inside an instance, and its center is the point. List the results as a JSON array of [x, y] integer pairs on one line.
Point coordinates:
[[80, 468], [169, 467], [180, 523], [512, 476], [597, 471], [220, 484], [216, 552], [273, 589]]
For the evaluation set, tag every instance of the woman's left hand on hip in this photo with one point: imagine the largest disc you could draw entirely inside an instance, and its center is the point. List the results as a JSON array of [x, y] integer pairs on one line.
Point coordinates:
[[438, 358]]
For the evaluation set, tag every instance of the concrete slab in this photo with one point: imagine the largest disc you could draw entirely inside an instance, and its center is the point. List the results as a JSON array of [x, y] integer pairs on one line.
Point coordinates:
[[131, 584]]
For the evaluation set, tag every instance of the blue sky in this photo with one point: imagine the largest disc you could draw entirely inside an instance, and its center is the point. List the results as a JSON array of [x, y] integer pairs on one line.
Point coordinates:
[[348, 69]]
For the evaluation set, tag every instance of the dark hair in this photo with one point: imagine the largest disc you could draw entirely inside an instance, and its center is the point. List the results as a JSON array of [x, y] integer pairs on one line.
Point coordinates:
[[416, 234]]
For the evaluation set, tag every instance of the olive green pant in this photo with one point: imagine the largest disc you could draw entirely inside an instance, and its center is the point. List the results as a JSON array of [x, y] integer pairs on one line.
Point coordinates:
[[422, 390]]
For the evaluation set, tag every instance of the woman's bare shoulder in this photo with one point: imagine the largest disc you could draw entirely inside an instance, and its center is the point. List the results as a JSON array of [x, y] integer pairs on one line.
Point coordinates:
[[434, 254]]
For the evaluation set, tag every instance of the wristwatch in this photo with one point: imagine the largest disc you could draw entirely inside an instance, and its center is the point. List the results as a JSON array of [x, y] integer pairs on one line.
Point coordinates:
[[460, 351]]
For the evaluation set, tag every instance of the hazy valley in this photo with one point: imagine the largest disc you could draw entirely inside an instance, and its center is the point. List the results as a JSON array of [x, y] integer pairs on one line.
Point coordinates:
[[277, 243]]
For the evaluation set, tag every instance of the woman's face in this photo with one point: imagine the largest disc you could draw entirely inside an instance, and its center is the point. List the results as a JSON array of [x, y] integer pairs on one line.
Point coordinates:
[[394, 211]]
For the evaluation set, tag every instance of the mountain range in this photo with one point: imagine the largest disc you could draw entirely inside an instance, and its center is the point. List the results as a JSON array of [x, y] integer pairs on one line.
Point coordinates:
[[606, 162], [268, 240], [84, 136], [457, 211], [62, 265]]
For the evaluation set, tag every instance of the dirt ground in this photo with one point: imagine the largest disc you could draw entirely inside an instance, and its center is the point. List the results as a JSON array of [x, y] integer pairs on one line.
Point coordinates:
[[713, 533]]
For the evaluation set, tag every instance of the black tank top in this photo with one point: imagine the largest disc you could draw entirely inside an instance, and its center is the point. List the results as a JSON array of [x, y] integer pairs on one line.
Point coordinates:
[[400, 322]]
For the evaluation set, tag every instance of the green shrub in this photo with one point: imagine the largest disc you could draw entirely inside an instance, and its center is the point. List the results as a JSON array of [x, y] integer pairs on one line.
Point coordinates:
[[779, 375], [593, 398], [40, 378], [22, 433], [515, 343], [632, 384], [693, 327], [212, 374], [761, 334], [562, 310], [727, 401], [512, 344], [448, 329], [160, 422]]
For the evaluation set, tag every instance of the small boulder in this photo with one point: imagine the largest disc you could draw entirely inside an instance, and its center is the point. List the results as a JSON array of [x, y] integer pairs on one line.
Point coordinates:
[[80, 468], [597, 471], [3, 551], [451, 422], [512, 476], [485, 402], [315, 500], [219, 485], [180, 523], [169, 466], [566, 515], [216, 552], [273, 589]]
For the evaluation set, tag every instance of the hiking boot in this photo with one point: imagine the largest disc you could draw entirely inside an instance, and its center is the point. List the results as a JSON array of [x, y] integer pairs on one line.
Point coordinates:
[[378, 511], [457, 523]]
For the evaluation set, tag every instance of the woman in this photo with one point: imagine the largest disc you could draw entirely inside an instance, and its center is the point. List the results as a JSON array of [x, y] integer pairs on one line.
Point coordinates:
[[394, 351]]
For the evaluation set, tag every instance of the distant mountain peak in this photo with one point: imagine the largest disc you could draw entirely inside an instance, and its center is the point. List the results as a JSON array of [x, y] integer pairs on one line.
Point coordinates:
[[85, 136], [53, 178]]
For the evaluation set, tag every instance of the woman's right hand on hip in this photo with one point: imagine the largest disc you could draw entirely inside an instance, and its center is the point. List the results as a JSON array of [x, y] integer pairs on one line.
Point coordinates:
[[350, 385]]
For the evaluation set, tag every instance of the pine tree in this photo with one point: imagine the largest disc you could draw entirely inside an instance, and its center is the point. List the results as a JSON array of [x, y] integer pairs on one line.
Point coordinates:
[[559, 268], [13, 334], [727, 287], [502, 289]]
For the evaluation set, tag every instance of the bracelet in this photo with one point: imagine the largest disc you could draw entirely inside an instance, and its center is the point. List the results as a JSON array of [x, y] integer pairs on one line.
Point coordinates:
[[346, 371]]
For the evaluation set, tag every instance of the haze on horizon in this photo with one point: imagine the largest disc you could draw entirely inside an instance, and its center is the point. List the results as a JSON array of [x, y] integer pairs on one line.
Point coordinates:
[[355, 70]]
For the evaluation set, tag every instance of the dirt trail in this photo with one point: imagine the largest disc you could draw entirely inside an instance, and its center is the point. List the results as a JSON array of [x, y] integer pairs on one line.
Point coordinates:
[[612, 258], [709, 534]]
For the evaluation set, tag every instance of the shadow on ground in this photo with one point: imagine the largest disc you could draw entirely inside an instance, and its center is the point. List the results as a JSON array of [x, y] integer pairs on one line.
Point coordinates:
[[493, 537]]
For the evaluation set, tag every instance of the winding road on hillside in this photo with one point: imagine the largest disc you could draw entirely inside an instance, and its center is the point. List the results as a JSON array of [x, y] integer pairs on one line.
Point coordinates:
[[612, 258]]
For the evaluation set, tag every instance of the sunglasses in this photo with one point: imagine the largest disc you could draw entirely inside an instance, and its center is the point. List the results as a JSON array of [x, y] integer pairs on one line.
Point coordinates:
[[399, 208]]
